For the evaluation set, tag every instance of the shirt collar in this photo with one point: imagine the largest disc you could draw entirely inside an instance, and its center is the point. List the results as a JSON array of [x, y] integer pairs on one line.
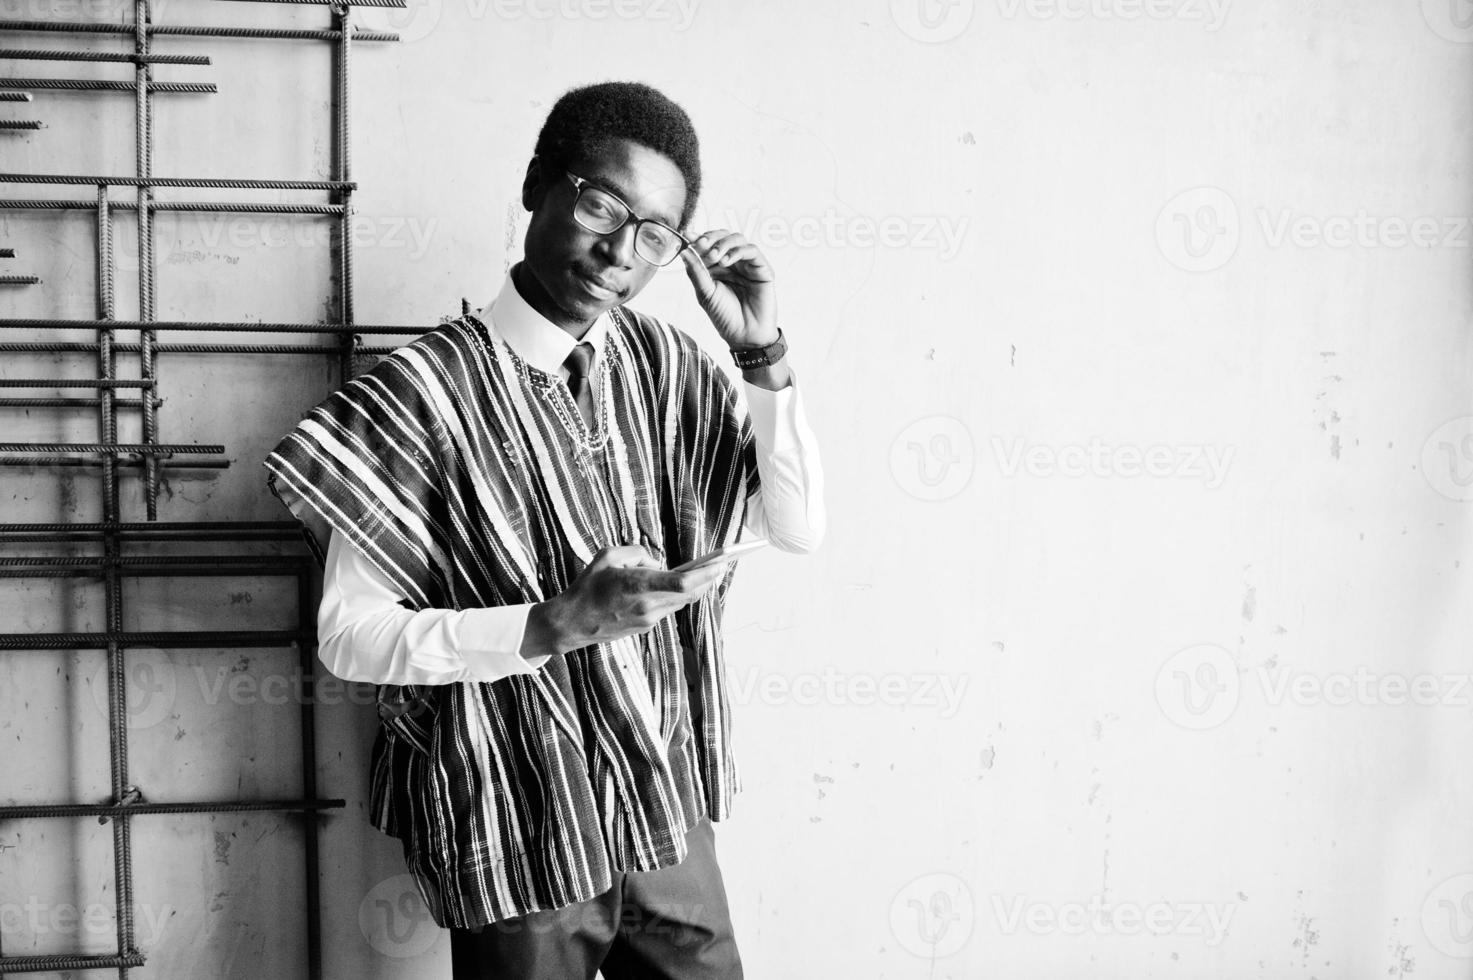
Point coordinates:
[[536, 339]]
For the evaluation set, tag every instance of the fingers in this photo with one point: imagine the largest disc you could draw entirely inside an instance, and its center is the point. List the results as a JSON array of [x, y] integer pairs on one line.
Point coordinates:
[[695, 268]]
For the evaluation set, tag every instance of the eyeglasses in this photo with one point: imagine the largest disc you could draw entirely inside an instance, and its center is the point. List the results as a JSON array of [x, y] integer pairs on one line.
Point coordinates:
[[603, 213]]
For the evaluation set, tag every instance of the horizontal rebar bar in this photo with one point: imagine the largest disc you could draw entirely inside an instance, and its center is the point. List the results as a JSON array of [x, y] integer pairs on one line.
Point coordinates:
[[162, 30], [142, 561], [185, 640], [106, 448], [19, 280], [239, 182], [70, 347], [240, 207], [53, 962], [90, 403], [104, 85], [187, 464], [239, 327], [76, 383], [20, 124], [7, 253], [13, 54], [133, 527], [138, 809], [15, 96]]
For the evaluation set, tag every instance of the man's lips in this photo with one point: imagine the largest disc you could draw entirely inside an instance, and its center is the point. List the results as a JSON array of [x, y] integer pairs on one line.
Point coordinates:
[[596, 285]]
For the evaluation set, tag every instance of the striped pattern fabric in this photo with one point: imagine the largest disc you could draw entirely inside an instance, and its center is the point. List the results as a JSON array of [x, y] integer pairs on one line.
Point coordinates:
[[466, 475]]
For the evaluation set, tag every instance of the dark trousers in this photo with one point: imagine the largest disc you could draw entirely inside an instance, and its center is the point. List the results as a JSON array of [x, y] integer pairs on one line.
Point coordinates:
[[670, 924]]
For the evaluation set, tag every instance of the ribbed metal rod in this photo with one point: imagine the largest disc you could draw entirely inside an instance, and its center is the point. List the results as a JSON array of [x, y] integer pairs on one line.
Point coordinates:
[[19, 280], [7, 253], [136, 809], [74, 383], [130, 464], [129, 448], [20, 124], [55, 962], [239, 327], [223, 207], [196, 640], [68, 347], [181, 30], [134, 527], [12, 54], [155, 561], [103, 85], [15, 96], [65, 403], [218, 182]]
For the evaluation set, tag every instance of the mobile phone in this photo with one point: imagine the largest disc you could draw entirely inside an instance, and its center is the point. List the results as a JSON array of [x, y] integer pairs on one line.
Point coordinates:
[[722, 555]]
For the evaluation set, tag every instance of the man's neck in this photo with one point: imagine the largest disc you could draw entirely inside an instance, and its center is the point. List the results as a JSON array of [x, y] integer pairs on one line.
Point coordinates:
[[531, 290]]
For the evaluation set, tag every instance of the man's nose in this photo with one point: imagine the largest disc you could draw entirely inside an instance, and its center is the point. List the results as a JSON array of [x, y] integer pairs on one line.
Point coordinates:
[[617, 247]]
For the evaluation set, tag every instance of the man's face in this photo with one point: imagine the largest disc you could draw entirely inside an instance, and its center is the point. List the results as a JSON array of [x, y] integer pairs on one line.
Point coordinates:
[[579, 273]]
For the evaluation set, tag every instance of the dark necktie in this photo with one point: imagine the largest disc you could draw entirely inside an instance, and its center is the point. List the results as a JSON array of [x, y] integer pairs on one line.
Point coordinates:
[[578, 363]]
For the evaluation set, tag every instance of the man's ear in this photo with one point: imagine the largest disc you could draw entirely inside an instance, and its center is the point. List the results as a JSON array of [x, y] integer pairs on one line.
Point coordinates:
[[535, 185]]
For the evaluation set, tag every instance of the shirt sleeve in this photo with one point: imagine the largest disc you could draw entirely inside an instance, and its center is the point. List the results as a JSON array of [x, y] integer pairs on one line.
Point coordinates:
[[364, 634], [788, 509]]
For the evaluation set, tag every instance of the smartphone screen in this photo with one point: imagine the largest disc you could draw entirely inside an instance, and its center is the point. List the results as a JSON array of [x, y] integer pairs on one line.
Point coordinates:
[[721, 555]]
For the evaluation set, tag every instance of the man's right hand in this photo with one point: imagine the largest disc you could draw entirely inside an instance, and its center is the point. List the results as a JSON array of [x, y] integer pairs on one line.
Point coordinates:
[[622, 592]]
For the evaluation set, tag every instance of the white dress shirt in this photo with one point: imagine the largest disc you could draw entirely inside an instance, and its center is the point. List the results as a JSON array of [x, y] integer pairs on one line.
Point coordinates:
[[364, 634]]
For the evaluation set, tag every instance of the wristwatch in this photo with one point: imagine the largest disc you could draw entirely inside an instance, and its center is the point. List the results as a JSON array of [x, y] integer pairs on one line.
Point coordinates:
[[756, 357]]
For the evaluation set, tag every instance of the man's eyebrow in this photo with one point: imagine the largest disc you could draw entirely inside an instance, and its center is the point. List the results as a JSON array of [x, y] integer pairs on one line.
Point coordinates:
[[623, 195]]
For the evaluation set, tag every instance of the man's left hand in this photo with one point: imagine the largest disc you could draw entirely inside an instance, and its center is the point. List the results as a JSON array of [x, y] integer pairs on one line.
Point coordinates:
[[734, 285]]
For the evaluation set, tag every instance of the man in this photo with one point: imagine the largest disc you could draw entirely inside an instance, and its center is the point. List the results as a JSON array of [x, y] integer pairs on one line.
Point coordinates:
[[503, 502]]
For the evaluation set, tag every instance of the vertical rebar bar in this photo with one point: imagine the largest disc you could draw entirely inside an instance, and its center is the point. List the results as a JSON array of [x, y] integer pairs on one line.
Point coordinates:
[[343, 169], [306, 623], [143, 117]]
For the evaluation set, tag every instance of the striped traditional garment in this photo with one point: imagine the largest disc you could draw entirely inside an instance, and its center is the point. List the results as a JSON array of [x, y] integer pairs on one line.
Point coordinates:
[[466, 476]]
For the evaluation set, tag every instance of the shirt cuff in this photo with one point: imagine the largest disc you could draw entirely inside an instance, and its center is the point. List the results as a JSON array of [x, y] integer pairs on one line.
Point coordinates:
[[775, 415], [492, 637]]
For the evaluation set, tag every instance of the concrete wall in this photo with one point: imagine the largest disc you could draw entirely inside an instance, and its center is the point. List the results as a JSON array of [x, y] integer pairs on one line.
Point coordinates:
[[1136, 336]]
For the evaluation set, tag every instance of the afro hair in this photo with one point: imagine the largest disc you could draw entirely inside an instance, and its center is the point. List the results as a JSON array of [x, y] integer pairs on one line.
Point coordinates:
[[586, 119]]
